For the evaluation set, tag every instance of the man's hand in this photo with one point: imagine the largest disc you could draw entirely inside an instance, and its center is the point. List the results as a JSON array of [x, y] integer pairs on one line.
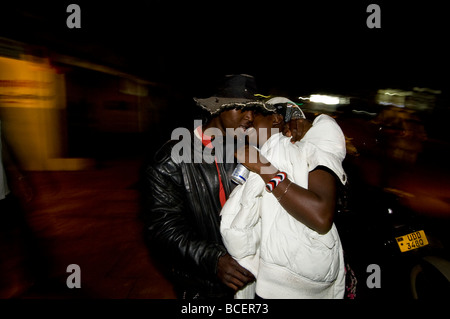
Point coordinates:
[[296, 129], [232, 274]]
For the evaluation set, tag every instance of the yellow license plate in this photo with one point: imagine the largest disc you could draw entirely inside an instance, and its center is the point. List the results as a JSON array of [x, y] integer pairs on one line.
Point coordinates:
[[412, 241]]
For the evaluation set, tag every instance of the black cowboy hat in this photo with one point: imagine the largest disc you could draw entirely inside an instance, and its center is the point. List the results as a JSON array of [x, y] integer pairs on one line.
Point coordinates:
[[237, 90]]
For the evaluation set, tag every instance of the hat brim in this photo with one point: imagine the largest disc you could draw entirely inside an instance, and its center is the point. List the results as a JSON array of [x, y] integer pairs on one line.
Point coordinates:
[[216, 104], [291, 109]]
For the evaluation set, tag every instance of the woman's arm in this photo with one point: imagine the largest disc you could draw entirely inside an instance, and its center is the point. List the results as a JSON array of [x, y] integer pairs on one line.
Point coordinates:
[[314, 206]]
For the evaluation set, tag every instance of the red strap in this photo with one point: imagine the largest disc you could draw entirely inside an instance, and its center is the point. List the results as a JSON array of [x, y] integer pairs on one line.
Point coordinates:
[[222, 196], [206, 141]]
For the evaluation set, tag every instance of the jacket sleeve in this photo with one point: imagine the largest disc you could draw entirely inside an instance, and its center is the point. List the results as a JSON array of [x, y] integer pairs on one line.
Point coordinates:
[[168, 229]]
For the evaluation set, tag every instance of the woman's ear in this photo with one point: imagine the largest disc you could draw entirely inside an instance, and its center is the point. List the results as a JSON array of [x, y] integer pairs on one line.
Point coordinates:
[[277, 120]]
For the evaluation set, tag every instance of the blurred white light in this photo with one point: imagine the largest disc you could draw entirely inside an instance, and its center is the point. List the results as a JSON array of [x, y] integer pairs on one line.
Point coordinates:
[[325, 99]]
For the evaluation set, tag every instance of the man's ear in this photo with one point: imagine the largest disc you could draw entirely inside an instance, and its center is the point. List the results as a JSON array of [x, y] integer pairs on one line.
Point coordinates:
[[278, 120]]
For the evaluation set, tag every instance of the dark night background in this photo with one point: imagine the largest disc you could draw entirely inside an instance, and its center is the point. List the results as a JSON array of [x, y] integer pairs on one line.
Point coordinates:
[[297, 45]]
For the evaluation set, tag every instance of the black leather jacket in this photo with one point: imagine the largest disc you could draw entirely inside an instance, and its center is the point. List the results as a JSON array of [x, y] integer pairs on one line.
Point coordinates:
[[181, 215]]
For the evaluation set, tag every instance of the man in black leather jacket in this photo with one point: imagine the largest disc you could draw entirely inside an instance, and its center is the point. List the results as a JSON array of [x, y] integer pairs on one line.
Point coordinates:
[[183, 199]]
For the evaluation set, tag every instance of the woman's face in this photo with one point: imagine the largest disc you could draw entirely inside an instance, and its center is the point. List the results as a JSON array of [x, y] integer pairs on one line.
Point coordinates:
[[264, 128]]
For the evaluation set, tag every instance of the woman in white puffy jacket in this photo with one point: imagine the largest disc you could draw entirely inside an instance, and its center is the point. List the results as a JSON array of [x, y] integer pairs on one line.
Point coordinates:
[[279, 223]]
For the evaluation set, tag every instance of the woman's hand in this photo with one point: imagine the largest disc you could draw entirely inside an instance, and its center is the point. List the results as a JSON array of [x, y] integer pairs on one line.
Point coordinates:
[[296, 129], [251, 158]]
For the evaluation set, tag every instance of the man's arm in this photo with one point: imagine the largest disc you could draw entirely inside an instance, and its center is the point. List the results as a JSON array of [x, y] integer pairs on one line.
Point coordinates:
[[166, 225], [170, 232]]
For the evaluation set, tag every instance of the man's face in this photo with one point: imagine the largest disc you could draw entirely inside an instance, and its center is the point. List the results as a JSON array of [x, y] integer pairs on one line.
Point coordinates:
[[237, 119]]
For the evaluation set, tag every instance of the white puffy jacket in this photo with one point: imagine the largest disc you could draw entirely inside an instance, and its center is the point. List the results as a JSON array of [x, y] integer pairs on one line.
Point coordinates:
[[288, 259]]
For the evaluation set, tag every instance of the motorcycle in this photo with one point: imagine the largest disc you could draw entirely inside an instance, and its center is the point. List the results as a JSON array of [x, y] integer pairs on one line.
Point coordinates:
[[381, 234]]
